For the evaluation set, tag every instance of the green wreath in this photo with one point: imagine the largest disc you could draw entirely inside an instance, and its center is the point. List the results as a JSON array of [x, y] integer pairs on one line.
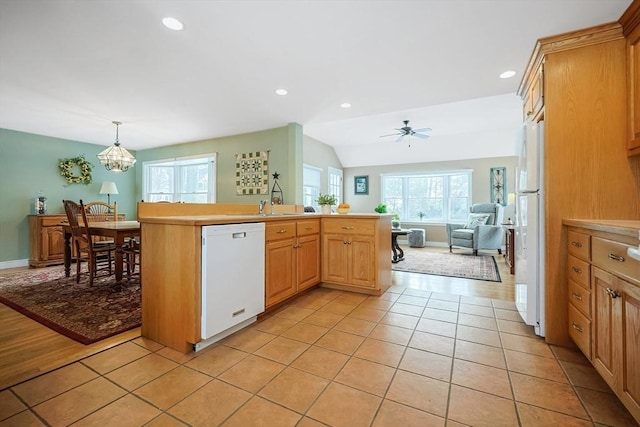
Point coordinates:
[[67, 168]]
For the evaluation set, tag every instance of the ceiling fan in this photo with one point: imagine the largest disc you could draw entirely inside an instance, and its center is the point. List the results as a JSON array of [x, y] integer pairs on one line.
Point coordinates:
[[407, 130]]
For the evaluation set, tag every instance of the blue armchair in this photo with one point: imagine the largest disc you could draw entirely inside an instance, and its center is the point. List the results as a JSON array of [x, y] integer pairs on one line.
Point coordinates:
[[483, 229]]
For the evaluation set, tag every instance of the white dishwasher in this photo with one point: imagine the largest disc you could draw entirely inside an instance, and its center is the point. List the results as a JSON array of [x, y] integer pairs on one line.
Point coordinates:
[[232, 278]]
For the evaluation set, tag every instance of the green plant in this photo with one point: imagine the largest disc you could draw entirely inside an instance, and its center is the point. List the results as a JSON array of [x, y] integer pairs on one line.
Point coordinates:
[[381, 208], [326, 199], [421, 215], [395, 216]]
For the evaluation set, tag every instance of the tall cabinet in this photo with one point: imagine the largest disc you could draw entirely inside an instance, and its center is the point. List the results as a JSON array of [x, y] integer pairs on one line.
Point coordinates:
[[587, 173], [630, 21]]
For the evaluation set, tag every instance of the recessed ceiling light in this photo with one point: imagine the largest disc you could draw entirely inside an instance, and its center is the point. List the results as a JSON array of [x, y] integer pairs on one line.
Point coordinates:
[[345, 105], [507, 74], [281, 92], [172, 23]]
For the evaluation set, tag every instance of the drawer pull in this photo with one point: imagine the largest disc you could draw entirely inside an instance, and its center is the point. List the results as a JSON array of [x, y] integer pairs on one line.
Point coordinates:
[[576, 244], [616, 257], [348, 228], [577, 270], [281, 231], [575, 326], [612, 293], [577, 296]]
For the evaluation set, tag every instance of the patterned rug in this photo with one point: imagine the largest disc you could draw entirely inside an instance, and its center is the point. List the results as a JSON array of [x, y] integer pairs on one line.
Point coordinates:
[[85, 314], [466, 266]]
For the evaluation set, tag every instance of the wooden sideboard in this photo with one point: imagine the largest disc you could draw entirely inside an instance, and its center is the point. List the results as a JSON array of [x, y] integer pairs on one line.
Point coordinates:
[[46, 239]]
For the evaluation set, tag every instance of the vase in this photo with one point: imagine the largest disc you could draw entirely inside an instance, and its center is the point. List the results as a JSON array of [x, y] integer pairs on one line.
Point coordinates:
[[326, 209]]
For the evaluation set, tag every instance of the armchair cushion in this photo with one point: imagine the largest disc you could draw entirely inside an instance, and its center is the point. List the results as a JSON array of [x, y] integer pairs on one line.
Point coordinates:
[[476, 219]]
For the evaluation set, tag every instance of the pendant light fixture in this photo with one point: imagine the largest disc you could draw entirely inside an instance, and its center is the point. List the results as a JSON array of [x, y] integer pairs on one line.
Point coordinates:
[[116, 158]]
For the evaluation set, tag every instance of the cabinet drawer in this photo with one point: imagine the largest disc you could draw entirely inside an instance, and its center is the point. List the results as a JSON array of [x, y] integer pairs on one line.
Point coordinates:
[[580, 330], [612, 256], [578, 271], [342, 226], [52, 221], [278, 230], [580, 298], [579, 245], [305, 228]]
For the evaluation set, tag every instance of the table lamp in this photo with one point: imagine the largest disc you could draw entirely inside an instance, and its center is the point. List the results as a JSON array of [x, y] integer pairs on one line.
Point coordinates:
[[109, 188]]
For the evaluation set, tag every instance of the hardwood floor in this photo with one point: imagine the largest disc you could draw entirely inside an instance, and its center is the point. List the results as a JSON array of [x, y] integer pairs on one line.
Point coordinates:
[[29, 349]]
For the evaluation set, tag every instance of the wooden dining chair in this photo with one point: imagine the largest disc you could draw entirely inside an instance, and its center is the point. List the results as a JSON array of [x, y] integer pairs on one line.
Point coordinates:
[[99, 257], [131, 256], [100, 212]]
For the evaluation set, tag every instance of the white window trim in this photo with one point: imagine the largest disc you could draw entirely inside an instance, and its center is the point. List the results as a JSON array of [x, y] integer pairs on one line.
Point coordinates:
[[211, 193], [430, 173], [335, 171]]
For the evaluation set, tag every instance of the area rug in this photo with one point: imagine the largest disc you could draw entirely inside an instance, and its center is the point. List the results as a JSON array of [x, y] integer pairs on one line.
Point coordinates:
[[466, 266], [83, 313]]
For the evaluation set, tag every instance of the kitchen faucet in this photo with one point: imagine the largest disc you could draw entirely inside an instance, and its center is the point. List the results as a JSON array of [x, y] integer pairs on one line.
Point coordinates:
[[261, 206]]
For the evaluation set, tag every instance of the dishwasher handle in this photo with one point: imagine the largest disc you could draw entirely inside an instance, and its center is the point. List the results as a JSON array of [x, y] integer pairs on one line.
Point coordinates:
[[239, 235]]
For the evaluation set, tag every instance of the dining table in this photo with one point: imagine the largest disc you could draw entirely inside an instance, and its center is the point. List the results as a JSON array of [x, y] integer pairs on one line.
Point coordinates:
[[119, 231]]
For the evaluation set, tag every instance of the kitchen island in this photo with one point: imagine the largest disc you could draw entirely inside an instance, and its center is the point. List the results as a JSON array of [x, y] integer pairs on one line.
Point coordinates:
[[171, 262]]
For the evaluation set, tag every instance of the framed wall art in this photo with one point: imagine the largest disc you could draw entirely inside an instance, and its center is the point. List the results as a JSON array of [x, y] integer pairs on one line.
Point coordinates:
[[498, 183], [361, 184]]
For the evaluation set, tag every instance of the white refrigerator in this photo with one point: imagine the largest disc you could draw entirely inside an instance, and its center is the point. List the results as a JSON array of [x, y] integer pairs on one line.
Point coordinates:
[[529, 237]]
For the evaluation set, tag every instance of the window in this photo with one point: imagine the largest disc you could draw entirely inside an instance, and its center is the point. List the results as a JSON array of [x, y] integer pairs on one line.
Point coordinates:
[[335, 183], [188, 179], [440, 197], [311, 186]]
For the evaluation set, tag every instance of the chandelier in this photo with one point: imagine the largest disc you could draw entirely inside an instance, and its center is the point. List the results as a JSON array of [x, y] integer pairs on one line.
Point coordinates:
[[116, 158]]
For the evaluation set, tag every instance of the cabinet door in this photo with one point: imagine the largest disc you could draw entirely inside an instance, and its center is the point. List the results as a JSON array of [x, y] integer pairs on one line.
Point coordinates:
[[308, 251], [53, 243], [280, 278], [630, 347], [362, 261], [334, 258], [605, 309]]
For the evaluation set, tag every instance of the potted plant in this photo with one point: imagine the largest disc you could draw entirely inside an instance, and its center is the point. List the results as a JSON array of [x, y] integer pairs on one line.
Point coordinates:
[[421, 215], [395, 221], [326, 201], [381, 208]]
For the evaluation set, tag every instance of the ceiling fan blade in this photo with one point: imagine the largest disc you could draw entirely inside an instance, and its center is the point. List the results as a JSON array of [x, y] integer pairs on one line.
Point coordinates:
[[422, 130], [420, 135], [401, 138], [392, 134]]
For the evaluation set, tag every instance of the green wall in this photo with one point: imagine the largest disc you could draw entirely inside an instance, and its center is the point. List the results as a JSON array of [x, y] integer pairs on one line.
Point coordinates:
[[323, 156], [28, 164], [285, 153]]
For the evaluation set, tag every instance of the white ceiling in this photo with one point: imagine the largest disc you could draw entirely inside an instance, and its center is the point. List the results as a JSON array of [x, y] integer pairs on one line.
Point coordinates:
[[69, 68]]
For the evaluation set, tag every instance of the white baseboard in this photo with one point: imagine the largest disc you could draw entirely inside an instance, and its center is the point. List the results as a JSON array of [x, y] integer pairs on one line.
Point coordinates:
[[14, 264]]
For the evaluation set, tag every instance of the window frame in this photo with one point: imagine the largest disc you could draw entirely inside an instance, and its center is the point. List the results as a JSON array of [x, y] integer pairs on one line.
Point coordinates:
[[405, 217], [178, 164], [310, 199], [337, 189]]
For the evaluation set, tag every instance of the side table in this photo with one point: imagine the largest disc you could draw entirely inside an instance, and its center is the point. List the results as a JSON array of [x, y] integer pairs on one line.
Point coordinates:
[[509, 254]]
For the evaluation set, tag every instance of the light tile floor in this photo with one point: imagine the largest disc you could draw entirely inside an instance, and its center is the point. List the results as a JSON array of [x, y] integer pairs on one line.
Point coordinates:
[[407, 358]]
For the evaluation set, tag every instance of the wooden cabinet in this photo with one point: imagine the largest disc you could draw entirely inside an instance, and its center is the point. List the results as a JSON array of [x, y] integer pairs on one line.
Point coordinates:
[[631, 27], [604, 307], [46, 240], [534, 96], [356, 254], [585, 147], [292, 258]]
